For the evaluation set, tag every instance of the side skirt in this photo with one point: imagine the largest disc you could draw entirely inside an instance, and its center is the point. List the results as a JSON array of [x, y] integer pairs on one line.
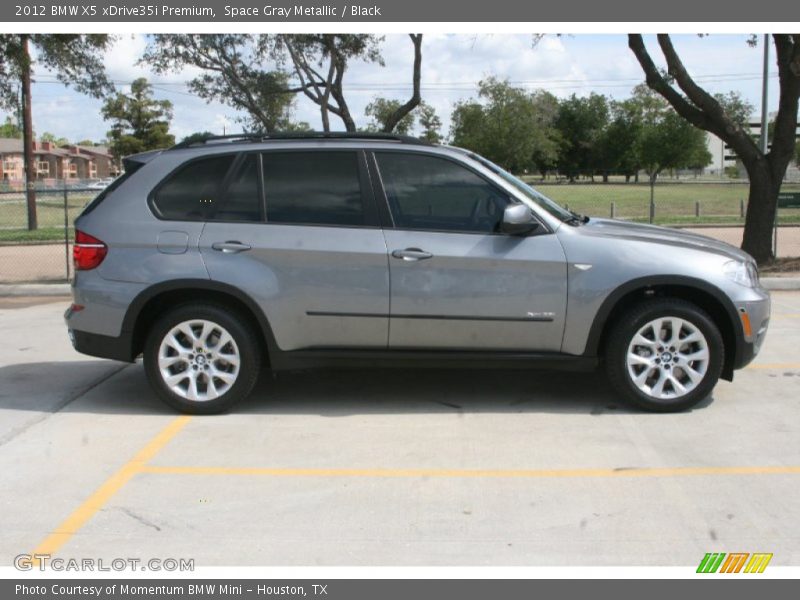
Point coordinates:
[[427, 359]]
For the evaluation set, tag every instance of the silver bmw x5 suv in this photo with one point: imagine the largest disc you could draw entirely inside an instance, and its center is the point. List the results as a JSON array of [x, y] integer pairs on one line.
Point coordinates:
[[216, 258]]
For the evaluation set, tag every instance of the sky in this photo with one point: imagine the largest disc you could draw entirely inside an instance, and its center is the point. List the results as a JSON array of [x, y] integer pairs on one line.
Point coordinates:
[[451, 67]]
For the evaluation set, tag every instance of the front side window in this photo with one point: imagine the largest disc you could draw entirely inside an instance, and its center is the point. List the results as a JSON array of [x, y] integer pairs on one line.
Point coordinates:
[[433, 193], [313, 188]]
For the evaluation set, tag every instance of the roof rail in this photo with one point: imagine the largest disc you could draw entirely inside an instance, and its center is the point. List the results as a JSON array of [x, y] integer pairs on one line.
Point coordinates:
[[301, 135]]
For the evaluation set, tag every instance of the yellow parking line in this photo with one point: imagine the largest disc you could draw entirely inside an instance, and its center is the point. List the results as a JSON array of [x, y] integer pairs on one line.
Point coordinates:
[[774, 366], [73, 523], [467, 473]]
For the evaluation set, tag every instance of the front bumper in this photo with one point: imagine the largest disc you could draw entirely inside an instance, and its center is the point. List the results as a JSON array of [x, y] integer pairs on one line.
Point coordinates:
[[753, 323]]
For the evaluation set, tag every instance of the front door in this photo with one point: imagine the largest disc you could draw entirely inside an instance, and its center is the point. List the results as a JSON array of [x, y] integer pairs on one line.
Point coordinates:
[[456, 282]]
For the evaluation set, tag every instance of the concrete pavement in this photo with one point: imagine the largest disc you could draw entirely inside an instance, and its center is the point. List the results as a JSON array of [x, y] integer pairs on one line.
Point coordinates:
[[394, 467]]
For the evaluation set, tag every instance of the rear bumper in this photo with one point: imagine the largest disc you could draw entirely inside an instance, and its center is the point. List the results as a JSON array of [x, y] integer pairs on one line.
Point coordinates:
[[102, 346]]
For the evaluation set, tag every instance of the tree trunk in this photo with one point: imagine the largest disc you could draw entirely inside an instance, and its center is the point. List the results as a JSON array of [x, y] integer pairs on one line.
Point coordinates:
[[27, 137], [762, 204]]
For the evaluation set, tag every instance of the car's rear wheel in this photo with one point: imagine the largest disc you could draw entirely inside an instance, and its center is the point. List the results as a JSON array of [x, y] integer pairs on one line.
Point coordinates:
[[201, 359], [665, 355]]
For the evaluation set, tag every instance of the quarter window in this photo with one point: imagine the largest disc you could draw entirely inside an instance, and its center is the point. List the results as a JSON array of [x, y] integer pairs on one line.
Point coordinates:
[[428, 192], [315, 188]]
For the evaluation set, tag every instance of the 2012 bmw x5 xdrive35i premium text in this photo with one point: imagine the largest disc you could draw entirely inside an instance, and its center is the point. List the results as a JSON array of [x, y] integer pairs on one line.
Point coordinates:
[[217, 258]]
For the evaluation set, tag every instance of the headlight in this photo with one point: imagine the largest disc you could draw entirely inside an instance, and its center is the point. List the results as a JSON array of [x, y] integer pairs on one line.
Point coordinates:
[[745, 274]]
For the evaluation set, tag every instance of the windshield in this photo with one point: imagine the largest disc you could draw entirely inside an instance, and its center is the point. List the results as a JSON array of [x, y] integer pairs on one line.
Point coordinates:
[[540, 199]]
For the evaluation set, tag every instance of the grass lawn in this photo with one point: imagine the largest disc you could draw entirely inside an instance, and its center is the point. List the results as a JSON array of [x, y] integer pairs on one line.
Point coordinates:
[[49, 213], [720, 203], [675, 205]]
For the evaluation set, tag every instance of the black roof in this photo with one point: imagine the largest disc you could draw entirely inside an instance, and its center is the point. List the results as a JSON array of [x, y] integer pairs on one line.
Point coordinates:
[[300, 135]]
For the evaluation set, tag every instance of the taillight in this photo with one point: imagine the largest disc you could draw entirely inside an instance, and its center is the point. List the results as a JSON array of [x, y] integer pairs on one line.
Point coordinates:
[[88, 252]]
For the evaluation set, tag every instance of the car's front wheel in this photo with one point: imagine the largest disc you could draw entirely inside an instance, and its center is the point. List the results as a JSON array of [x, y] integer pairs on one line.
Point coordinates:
[[201, 359], [665, 355]]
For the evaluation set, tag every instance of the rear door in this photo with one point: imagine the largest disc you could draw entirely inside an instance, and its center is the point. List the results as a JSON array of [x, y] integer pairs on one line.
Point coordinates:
[[457, 283], [297, 231]]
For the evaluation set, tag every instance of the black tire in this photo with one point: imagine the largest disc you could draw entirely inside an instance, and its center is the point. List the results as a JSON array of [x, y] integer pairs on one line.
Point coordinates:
[[622, 334], [249, 352]]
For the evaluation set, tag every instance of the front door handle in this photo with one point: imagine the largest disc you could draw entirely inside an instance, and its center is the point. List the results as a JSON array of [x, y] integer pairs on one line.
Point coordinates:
[[230, 247], [411, 254]]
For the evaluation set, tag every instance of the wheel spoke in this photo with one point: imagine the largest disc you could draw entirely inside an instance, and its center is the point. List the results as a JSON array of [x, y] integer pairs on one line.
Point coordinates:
[[676, 385], [695, 376], [635, 359], [641, 378], [227, 378], [211, 388], [172, 381], [701, 354], [640, 340], [658, 389], [675, 331], [164, 362], [223, 341], [191, 392]]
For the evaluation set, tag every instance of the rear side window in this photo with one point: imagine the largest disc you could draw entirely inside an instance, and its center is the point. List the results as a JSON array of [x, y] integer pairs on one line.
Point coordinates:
[[242, 198], [314, 188], [194, 192]]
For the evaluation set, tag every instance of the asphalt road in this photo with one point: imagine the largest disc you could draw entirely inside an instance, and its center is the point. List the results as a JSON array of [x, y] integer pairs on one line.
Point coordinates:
[[392, 468]]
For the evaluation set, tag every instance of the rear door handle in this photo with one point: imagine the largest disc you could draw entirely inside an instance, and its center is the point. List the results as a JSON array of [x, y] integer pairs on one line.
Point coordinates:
[[230, 247], [411, 254]]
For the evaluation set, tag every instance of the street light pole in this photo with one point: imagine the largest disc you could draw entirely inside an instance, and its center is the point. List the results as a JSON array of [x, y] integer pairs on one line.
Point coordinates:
[[765, 132]]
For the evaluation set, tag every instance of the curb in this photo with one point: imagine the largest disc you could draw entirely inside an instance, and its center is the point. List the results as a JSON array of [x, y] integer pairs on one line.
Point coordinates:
[[35, 289], [776, 284], [773, 284]]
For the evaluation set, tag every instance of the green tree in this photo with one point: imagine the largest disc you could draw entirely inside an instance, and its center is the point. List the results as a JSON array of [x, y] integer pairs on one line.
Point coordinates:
[[669, 142], [618, 148], [320, 61], [694, 104], [381, 110], [239, 70], [76, 60], [138, 121], [430, 124], [507, 125], [10, 129], [737, 108], [581, 122], [53, 139], [197, 137], [88, 143], [261, 74]]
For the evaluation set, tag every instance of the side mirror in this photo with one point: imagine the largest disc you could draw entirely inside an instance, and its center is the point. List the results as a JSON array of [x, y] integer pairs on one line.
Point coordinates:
[[518, 220]]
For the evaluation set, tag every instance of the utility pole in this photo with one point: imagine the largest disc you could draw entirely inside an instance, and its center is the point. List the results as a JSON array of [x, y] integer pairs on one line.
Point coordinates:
[[27, 136]]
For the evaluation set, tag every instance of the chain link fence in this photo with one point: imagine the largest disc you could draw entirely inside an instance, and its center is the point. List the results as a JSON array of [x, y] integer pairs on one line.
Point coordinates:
[[44, 254]]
